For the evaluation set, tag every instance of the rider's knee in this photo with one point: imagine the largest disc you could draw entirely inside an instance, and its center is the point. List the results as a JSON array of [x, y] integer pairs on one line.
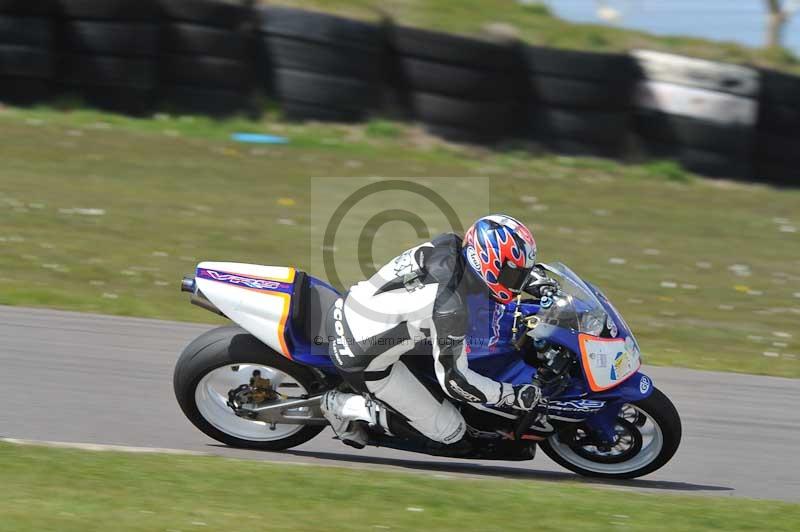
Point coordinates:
[[449, 426]]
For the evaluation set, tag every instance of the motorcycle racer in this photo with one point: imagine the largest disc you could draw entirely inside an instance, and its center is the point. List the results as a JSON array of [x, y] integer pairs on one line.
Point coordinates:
[[418, 304]]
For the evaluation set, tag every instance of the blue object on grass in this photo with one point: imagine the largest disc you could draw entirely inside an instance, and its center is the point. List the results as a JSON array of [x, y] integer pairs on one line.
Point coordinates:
[[259, 138]]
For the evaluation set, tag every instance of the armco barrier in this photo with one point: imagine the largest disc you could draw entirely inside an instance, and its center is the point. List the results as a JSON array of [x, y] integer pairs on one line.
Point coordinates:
[[213, 56]]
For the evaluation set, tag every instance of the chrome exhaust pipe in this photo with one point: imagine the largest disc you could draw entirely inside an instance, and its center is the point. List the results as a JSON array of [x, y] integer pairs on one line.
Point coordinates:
[[202, 301], [188, 284]]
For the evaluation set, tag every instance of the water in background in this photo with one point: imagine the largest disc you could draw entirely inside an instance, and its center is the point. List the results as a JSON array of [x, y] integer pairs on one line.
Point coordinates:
[[741, 21]]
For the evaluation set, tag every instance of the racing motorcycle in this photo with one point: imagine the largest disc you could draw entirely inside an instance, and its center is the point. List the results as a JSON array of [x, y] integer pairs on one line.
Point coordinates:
[[258, 384]]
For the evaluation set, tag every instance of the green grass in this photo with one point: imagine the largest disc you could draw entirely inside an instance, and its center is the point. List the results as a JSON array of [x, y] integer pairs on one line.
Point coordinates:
[[171, 191], [537, 25], [69, 490]]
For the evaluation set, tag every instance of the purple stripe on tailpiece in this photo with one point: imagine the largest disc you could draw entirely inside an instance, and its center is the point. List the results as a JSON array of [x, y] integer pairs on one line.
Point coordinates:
[[244, 281]]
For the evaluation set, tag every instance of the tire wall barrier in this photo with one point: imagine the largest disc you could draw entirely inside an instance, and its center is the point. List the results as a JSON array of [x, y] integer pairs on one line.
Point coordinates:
[[215, 57], [777, 149], [459, 88], [579, 102], [107, 52], [207, 62], [699, 112], [27, 60], [320, 67]]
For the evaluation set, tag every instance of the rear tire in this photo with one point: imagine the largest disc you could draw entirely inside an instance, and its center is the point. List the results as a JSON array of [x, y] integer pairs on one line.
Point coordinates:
[[228, 346], [660, 409]]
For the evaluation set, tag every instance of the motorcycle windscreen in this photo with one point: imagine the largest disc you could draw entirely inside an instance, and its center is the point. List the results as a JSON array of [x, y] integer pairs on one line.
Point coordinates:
[[608, 361]]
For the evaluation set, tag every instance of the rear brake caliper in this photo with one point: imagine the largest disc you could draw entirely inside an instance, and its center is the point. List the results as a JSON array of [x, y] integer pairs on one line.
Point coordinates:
[[257, 392]]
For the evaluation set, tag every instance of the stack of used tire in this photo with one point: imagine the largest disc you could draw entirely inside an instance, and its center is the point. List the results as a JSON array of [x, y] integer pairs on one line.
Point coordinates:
[[108, 52], [578, 102], [26, 59], [207, 57], [321, 67], [778, 137], [701, 113], [462, 89]]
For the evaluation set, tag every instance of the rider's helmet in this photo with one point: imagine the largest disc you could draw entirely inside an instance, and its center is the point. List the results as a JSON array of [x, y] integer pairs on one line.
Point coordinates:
[[501, 251]]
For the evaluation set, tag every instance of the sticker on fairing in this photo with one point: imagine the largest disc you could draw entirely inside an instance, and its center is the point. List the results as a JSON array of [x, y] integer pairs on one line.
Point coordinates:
[[608, 361]]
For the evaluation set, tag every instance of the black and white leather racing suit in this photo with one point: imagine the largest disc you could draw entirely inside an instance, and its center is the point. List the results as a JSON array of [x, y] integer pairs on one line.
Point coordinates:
[[414, 304]]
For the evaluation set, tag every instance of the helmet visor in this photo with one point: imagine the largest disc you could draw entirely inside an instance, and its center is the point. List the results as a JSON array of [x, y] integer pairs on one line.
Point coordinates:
[[515, 279]]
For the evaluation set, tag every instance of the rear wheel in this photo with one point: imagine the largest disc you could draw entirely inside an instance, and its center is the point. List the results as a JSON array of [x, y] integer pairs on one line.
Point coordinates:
[[225, 358], [648, 432]]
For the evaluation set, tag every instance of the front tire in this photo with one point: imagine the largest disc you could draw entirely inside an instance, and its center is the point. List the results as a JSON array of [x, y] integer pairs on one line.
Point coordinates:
[[222, 359], [655, 420]]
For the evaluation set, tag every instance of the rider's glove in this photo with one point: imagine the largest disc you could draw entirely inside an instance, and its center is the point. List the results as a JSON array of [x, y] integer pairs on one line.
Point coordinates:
[[520, 396]]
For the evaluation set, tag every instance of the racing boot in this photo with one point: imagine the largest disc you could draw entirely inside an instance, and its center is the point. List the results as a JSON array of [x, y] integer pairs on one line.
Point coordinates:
[[348, 415]]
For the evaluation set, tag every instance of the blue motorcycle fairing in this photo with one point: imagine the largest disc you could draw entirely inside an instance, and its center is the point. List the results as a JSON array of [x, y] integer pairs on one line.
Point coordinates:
[[578, 403], [489, 326], [635, 388], [491, 353], [314, 352]]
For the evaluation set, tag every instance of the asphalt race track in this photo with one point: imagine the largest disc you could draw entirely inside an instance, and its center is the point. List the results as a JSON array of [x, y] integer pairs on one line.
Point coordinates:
[[98, 379]]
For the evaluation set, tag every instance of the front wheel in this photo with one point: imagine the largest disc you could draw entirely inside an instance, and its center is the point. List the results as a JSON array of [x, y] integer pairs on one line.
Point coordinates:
[[223, 359], [648, 434]]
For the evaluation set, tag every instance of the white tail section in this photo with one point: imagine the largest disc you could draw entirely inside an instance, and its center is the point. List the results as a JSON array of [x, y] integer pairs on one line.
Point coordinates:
[[256, 297]]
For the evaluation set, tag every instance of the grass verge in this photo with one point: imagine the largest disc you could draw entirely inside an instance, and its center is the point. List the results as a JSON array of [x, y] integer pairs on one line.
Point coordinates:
[[71, 490], [104, 213]]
